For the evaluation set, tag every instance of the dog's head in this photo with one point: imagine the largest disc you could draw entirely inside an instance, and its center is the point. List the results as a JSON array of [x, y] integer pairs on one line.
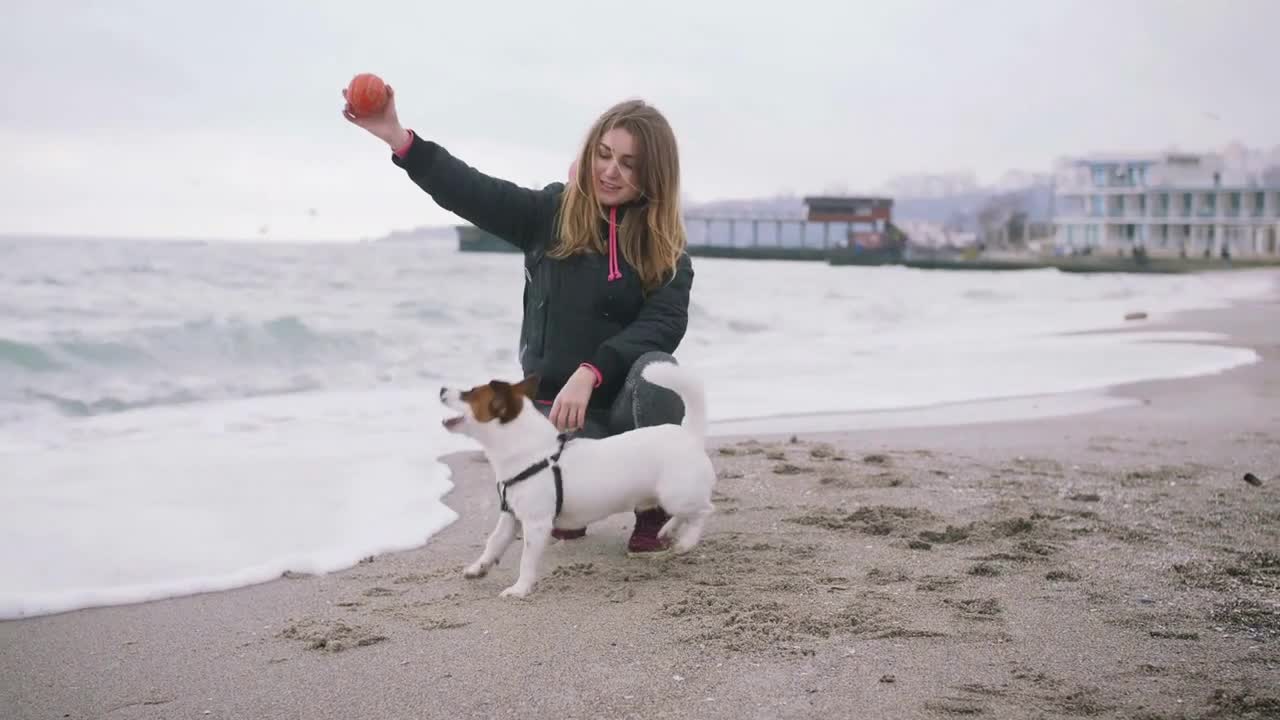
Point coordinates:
[[484, 408]]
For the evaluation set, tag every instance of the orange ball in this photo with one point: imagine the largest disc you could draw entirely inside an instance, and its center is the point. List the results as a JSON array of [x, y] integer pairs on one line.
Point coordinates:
[[367, 94]]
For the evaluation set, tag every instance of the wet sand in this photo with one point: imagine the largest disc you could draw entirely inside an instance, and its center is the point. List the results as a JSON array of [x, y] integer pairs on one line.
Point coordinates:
[[1109, 564]]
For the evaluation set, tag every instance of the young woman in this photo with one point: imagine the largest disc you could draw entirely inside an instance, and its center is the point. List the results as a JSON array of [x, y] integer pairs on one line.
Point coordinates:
[[607, 272]]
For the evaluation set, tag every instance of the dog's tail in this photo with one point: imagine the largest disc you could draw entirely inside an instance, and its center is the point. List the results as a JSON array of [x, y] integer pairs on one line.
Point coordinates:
[[689, 387]]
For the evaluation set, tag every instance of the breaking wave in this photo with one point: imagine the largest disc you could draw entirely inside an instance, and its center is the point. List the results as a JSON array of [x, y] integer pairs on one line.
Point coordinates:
[[82, 375]]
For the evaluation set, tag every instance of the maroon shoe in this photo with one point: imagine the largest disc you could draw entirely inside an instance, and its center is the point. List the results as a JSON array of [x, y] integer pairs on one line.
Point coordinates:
[[644, 538], [558, 534]]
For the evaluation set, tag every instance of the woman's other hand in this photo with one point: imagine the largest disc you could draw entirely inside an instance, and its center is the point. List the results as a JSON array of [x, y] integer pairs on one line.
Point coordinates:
[[569, 411]]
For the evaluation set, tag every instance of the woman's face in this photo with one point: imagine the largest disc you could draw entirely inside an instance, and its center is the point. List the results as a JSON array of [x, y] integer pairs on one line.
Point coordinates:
[[614, 168]]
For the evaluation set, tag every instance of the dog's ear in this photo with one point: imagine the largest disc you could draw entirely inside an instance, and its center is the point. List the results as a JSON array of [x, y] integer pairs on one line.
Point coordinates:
[[505, 403], [529, 386], [499, 399]]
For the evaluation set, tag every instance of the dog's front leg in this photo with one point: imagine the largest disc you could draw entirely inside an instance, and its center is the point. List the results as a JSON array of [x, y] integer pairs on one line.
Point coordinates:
[[503, 533], [536, 538]]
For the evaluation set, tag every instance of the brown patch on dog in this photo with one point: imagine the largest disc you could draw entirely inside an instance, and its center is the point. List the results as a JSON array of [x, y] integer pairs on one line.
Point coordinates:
[[499, 400]]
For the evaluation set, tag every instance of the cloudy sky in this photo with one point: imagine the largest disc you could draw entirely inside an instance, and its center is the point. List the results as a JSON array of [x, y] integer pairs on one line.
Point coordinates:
[[214, 119]]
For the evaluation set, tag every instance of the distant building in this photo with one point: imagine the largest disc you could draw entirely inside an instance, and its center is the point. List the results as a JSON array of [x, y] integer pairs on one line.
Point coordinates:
[[868, 218], [923, 233], [1169, 203]]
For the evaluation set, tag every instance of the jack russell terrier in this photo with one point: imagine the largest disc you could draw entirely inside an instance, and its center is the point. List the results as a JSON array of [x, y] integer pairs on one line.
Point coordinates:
[[547, 480]]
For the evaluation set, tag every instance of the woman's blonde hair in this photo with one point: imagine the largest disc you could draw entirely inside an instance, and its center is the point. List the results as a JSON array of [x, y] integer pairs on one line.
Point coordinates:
[[651, 237]]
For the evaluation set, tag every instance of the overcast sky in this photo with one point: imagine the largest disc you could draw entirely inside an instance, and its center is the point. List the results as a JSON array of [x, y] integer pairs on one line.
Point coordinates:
[[214, 119]]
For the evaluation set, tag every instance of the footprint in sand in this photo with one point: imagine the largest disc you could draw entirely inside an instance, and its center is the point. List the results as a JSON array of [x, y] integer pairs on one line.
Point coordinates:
[[330, 635], [984, 609], [984, 569], [787, 468], [869, 520]]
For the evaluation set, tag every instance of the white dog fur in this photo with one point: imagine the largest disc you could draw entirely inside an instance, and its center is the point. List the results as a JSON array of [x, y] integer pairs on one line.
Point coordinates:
[[663, 465]]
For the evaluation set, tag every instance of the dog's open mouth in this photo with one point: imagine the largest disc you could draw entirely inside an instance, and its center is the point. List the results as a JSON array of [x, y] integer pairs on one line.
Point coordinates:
[[451, 423]]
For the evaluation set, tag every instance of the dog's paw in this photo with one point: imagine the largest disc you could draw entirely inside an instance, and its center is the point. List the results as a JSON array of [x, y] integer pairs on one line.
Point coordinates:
[[669, 528], [515, 591], [475, 570]]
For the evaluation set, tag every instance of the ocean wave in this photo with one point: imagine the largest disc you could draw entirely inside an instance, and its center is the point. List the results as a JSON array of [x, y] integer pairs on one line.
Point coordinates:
[[747, 326], [26, 356], [104, 353], [83, 375], [41, 280], [107, 405], [71, 406], [196, 344], [433, 312]]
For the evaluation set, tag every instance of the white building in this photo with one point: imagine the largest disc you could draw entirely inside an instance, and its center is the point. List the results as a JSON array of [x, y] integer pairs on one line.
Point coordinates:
[[936, 235], [1170, 203]]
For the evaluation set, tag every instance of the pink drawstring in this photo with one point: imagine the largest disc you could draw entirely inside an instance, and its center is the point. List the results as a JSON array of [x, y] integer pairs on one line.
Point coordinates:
[[614, 272]]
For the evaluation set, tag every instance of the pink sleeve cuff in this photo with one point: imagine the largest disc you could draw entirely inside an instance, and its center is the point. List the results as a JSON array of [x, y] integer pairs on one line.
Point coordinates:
[[594, 369], [401, 151]]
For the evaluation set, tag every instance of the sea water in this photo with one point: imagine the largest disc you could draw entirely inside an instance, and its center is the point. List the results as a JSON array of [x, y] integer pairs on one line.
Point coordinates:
[[180, 417]]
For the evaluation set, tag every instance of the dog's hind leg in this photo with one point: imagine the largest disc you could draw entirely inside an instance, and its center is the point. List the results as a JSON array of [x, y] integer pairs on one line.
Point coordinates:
[[671, 526], [536, 538], [503, 533], [687, 496], [689, 531]]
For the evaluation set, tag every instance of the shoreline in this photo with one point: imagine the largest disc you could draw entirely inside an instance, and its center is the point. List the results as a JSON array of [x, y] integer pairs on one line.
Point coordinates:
[[1023, 408], [984, 411], [1112, 564], [1015, 408], [946, 414]]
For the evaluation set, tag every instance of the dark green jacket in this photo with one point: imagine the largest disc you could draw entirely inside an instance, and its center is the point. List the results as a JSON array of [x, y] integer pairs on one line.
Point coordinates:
[[574, 312]]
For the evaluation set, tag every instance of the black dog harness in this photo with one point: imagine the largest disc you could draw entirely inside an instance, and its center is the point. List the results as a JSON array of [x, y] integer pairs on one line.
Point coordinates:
[[534, 469]]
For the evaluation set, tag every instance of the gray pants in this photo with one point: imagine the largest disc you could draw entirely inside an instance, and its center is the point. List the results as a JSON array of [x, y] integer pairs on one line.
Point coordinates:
[[639, 404]]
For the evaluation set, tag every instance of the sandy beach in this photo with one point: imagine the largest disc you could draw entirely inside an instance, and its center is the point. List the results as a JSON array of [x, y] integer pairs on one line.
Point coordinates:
[[1111, 564]]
